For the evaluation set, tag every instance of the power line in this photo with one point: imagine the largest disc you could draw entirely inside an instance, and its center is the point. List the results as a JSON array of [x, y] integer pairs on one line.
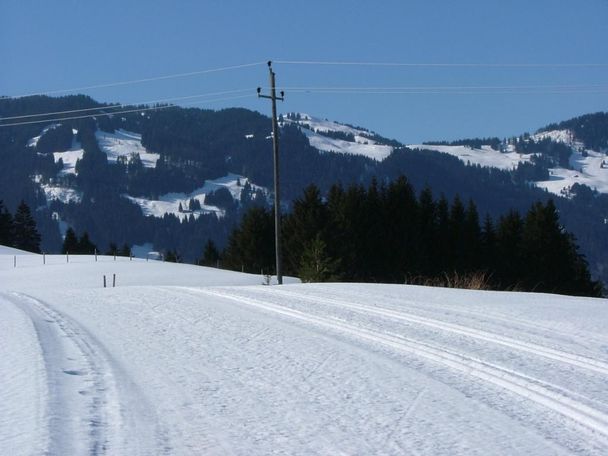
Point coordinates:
[[453, 92], [123, 112], [122, 105], [524, 87], [441, 64], [139, 81]]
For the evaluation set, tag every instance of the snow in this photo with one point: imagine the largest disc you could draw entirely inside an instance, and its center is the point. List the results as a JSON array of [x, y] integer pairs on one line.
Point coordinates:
[[375, 151], [486, 156], [562, 136], [362, 144], [70, 157], [124, 143], [586, 170], [182, 359], [169, 203], [33, 142], [12, 251], [64, 194]]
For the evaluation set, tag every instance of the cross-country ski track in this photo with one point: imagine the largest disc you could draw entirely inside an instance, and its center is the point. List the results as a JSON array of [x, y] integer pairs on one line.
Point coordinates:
[[187, 360]]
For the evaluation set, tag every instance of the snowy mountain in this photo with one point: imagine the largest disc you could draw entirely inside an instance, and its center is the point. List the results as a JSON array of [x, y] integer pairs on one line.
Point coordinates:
[[134, 172], [186, 360], [586, 166]]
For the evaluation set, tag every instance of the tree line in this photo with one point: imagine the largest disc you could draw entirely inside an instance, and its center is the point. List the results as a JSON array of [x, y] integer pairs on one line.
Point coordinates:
[[19, 230], [387, 233]]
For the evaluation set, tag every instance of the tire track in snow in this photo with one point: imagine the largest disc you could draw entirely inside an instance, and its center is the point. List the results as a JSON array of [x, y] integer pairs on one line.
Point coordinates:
[[535, 349], [511, 381], [117, 418]]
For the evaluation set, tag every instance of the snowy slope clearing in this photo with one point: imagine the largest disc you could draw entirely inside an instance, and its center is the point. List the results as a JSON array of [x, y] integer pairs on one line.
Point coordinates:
[[187, 360], [170, 202], [486, 156], [124, 143], [362, 144], [589, 168]]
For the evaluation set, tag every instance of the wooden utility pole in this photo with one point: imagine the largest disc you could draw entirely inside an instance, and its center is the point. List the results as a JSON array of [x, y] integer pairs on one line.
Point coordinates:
[[275, 147]]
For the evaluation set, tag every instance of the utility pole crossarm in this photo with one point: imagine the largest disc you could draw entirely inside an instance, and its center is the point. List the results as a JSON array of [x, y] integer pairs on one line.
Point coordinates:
[[275, 147]]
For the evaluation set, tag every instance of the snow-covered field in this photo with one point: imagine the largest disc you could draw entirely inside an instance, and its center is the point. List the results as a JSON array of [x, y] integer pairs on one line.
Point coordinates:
[[181, 359]]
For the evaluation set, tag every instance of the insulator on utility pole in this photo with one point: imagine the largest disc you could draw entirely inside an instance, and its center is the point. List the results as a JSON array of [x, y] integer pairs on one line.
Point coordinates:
[[275, 147]]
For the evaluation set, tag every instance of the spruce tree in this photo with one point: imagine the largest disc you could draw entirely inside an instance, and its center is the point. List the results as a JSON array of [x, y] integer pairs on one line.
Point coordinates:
[[211, 255], [6, 226], [26, 236], [85, 246], [509, 259], [427, 233], [315, 264], [125, 250], [70, 242], [307, 220]]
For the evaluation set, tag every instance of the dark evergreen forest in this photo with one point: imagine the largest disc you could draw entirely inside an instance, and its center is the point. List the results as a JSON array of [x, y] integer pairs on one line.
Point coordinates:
[[386, 233]]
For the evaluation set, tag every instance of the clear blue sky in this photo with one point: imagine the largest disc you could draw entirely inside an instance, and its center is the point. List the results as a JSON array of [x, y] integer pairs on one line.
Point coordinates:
[[48, 45]]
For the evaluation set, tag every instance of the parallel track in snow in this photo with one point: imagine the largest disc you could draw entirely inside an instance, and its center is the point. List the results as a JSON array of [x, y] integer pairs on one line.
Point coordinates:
[[509, 380], [535, 349], [117, 419]]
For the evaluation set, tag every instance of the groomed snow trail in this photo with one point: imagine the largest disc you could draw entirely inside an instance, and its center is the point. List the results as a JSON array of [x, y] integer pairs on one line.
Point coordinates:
[[186, 360], [93, 407], [572, 405]]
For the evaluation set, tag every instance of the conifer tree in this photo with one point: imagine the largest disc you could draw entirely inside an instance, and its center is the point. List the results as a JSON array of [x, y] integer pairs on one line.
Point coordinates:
[[211, 255], [307, 221], [26, 236], [488, 245], [70, 242], [508, 246], [85, 246], [315, 264], [251, 245], [6, 226], [125, 250], [427, 232]]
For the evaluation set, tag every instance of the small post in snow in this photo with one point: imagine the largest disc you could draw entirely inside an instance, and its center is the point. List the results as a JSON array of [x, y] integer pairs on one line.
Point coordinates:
[[104, 280], [95, 255], [15, 261], [43, 258], [67, 257], [113, 280]]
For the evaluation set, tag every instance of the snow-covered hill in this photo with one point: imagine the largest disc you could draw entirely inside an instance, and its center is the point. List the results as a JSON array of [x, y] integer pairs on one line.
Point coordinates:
[[170, 202], [126, 145], [187, 360], [360, 141], [588, 167], [486, 156]]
